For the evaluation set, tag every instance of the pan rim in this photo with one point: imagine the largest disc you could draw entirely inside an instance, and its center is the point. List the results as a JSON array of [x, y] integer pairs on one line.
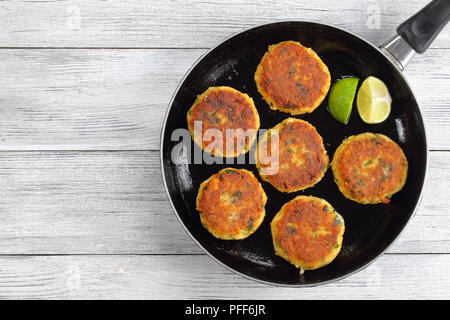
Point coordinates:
[[277, 284]]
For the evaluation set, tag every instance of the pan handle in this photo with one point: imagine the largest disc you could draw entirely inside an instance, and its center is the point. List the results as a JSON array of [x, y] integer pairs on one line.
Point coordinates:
[[418, 32]]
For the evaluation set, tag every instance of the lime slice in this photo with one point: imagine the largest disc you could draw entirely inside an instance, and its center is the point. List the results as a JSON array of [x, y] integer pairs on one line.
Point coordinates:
[[340, 99], [373, 101]]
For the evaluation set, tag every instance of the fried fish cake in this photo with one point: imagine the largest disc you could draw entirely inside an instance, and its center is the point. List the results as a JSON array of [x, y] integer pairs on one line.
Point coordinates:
[[307, 232], [369, 168], [229, 112], [292, 78], [231, 204], [299, 159]]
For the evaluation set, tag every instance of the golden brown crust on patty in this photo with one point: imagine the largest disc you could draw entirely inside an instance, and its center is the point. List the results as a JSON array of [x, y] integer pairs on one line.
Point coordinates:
[[292, 78], [224, 108], [302, 158], [369, 168], [231, 204], [307, 232]]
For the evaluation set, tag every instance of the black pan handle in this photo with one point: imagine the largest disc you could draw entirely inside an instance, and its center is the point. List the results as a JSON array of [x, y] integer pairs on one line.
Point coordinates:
[[417, 33], [420, 30]]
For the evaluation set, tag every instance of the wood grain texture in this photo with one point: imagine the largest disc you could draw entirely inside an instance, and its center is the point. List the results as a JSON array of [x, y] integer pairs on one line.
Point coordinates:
[[87, 99], [100, 202], [115, 203], [117, 99], [191, 277], [181, 24]]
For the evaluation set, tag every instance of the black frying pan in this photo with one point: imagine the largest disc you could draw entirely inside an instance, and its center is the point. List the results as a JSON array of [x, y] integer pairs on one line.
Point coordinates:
[[370, 229]]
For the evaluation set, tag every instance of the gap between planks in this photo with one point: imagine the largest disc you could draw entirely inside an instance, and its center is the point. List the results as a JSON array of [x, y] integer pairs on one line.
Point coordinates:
[[137, 48], [16, 255], [125, 150]]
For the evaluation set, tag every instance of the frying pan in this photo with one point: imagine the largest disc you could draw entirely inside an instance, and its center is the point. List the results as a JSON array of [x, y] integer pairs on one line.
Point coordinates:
[[370, 229]]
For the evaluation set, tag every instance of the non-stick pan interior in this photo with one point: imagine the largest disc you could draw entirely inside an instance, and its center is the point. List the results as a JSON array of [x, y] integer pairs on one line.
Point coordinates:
[[369, 229]]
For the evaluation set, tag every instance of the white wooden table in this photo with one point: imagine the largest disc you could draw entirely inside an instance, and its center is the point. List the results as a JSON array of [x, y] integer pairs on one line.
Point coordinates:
[[84, 86]]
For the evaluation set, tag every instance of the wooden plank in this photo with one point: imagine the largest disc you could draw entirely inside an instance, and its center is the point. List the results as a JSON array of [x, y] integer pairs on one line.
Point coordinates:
[[115, 203], [91, 202], [116, 99], [199, 277], [194, 23], [87, 99]]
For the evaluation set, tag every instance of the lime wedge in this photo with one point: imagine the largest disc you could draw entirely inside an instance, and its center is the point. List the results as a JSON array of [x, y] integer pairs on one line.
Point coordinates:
[[373, 100], [340, 99]]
